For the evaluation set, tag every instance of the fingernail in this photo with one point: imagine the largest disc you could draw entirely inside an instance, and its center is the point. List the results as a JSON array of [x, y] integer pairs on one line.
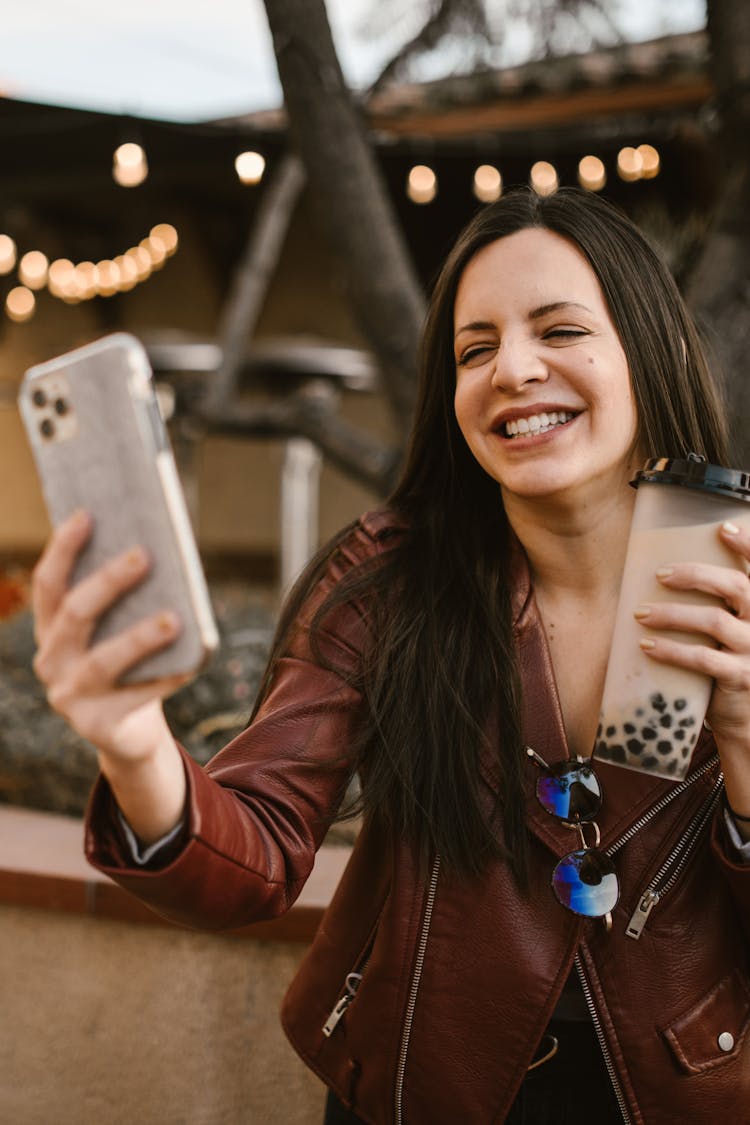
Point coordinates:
[[81, 518], [641, 612], [136, 558], [665, 572], [730, 528], [647, 643], [168, 623]]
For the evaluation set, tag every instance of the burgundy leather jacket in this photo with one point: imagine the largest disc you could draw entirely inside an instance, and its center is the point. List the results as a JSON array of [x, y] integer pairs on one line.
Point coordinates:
[[422, 1000]]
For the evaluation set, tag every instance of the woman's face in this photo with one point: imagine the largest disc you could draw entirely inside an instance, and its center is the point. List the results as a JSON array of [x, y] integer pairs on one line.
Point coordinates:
[[543, 393]]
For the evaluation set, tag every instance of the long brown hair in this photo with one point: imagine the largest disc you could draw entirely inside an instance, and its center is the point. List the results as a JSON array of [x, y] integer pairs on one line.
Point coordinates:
[[439, 600]]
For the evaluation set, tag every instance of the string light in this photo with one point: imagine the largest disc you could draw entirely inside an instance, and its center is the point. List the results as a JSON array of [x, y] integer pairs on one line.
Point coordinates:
[[629, 164], [74, 282], [20, 304], [7, 253], [250, 167], [543, 178], [129, 165], [421, 186], [32, 269], [166, 234], [108, 274], [488, 183], [591, 173], [651, 161]]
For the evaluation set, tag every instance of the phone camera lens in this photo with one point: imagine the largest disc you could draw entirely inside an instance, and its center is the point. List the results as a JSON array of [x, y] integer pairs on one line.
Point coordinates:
[[61, 406], [39, 398], [47, 428]]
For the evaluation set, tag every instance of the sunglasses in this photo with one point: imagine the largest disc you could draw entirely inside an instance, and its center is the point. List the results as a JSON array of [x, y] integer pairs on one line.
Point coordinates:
[[584, 881]]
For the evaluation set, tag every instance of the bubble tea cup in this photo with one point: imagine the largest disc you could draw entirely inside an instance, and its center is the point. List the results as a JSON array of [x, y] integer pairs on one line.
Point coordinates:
[[651, 712]]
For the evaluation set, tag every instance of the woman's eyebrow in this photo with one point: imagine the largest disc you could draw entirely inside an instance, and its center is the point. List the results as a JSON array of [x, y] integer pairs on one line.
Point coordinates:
[[474, 326], [535, 314], [556, 306]]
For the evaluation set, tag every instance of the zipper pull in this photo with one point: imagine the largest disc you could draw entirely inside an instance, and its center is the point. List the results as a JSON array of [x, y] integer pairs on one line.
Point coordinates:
[[339, 1008], [352, 984], [637, 923]]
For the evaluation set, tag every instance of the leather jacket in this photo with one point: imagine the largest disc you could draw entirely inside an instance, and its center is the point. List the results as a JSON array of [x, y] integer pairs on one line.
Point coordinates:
[[422, 999]]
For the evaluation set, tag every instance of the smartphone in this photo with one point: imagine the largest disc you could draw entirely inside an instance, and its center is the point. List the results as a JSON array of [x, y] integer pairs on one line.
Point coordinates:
[[100, 443]]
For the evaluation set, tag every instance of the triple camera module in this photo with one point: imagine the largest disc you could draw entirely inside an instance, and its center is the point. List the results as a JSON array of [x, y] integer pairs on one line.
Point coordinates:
[[53, 409]]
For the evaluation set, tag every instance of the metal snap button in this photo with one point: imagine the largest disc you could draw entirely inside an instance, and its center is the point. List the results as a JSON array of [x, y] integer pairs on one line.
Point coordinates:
[[726, 1041]]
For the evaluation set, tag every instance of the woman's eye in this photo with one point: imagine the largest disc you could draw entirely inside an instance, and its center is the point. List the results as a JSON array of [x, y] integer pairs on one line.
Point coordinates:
[[564, 333], [474, 354]]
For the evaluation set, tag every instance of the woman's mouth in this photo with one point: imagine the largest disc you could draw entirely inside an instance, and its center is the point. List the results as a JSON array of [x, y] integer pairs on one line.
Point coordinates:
[[536, 423]]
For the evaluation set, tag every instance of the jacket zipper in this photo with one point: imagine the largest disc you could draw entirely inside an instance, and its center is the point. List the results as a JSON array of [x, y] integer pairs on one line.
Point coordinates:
[[681, 853], [415, 982], [586, 989], [674, 864], [352, 984]]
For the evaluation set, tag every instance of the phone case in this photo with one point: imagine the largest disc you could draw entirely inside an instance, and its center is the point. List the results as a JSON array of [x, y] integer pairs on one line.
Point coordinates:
[[99, 442]]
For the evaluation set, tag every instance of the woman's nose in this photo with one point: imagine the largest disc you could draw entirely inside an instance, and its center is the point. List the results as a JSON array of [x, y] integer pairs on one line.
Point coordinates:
[[516, 364]]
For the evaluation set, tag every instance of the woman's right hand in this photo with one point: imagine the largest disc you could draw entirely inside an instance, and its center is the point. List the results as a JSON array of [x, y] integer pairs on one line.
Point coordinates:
[[125, 723]]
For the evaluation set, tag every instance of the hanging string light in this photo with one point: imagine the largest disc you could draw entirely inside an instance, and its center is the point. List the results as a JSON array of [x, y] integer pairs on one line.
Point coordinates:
[[651, 165], [73, 282], [129, 165], [7, 253], [488, 183], [20, 304], [250, 167], [629, 164], [32, 269], [421, 185], [592, 174], [544, 178]]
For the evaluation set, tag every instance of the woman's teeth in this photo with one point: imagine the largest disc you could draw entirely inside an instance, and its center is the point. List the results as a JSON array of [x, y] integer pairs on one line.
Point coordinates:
[[537, 423]]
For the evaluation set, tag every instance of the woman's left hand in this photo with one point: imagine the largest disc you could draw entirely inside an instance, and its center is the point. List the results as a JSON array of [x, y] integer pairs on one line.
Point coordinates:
[[727, 661]]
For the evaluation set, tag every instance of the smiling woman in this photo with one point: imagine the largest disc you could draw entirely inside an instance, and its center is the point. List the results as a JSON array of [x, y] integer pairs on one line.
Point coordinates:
[[476, 962], [535, 340]]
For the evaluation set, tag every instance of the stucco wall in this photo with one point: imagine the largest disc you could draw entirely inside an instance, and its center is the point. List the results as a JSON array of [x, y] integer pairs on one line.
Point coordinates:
[[111, 1023]]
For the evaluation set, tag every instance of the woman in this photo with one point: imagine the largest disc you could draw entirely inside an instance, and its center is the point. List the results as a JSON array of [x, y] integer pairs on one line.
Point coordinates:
[[426, 649]]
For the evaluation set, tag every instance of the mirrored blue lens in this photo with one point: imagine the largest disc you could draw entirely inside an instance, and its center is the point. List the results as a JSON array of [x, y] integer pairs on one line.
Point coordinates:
[[586, 882], [570, 791]]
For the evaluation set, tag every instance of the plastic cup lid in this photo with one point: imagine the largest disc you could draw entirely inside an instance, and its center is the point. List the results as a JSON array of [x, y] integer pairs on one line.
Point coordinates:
[[694, 471]]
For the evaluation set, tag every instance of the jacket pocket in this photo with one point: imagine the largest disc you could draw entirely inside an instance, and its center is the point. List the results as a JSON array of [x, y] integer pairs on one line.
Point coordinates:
[[714, 1030]]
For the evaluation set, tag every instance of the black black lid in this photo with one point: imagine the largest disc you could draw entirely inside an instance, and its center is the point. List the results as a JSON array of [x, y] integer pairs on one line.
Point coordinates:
[[694, 471]]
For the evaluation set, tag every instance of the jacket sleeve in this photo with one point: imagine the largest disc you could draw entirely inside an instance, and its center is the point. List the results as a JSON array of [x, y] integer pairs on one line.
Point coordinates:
[[257, 813]]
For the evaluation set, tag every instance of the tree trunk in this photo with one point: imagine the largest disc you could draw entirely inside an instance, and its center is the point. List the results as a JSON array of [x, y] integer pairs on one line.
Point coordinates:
[[719, 286], [350, 195]]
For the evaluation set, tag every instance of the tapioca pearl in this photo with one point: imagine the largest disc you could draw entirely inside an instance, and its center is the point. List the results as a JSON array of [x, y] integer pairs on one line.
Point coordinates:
[[679, 734], [686, 750], [650, 762], [658, 702], [634, 746], [689, 721], [671, 767], [665, 720], [648, 733], [680, 704], [611, 732], [639, 712], [598, 731], [629, 728], [664, 747], [613, 751]]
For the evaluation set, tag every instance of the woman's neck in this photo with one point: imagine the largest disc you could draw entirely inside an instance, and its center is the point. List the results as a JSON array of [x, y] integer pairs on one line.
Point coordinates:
[[574, 552]]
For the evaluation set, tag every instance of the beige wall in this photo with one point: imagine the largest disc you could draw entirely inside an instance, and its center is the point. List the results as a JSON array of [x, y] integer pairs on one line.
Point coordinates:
[[238, 483], [113, 1023]]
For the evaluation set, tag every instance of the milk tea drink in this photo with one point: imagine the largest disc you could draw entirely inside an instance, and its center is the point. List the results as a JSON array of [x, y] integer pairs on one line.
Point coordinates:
[[652, 713]]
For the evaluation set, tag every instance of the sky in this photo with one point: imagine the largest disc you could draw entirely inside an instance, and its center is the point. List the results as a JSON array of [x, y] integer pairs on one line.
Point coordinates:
[[183, 61]]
